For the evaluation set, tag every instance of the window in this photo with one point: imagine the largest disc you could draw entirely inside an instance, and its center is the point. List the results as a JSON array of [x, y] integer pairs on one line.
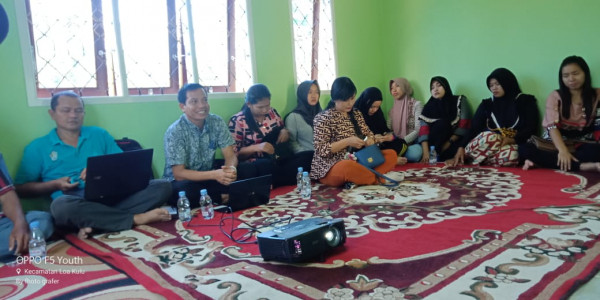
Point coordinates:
[[136, 47], [313, 41]]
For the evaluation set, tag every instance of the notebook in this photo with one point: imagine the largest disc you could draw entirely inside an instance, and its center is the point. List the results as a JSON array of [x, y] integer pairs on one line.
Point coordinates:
[[113, 177], [248, 193]]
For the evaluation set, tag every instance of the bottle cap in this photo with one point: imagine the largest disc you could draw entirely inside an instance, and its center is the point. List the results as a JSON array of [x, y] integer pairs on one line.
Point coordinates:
[[203, 192], [34, 224], [300, 169], [431, 148], [181, 193], [304, 173]]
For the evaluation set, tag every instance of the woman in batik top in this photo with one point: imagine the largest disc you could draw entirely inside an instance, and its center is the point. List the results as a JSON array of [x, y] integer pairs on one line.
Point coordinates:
[[502, 122], [260, 138], [572, 122], [339, 130]]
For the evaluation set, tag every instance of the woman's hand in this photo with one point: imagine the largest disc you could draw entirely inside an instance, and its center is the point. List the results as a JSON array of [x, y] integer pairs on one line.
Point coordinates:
[[265, 147], [459, 158], [425, 157], [284, 136], [564, 160], [355, 142], [507, 141], [383, 138]]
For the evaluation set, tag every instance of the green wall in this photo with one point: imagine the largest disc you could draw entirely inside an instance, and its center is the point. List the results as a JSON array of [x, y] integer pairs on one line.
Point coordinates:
[[375, 41], [465, 40]]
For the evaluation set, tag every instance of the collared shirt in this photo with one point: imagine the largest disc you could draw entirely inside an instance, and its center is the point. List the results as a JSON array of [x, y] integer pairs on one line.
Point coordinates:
[[48, 157], [5, 181], [188, 145]]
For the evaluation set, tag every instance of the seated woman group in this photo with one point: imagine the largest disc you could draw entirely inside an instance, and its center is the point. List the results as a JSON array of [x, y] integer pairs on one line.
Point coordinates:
[[321, 141]]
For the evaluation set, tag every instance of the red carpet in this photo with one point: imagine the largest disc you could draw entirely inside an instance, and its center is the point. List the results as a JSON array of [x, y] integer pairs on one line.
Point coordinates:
[[467, 233]]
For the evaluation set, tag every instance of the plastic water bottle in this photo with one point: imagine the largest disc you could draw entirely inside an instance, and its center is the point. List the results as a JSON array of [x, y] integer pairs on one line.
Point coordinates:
[[37, 243], [433, 157], [299, 180], [306, 187], [206, 205], [183, 207]]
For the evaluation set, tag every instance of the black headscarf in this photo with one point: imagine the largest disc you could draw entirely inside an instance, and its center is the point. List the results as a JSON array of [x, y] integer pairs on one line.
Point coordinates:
[[303, 108], [444, 108], [505, 107], [376, 122]]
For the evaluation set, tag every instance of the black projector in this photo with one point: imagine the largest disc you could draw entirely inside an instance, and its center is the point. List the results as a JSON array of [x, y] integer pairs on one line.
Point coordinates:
[[302, 240]]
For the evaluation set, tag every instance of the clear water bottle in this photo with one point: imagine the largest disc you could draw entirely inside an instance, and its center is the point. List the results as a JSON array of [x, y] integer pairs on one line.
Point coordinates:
[[306, 187], [183, 207], [37, 243], [433, 156], [299, 180], [206, 205]]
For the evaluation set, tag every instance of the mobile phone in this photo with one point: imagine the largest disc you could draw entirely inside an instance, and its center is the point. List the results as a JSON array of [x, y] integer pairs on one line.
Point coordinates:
[[172, 211]]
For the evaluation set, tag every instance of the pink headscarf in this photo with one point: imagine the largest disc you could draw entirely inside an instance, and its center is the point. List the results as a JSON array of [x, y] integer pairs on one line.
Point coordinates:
[[400, 110]]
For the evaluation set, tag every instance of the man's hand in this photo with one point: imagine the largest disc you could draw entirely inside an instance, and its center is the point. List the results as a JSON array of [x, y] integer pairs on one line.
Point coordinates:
[[284, 136], [64, 184], [265, 147], [225, 175], [19, 238]]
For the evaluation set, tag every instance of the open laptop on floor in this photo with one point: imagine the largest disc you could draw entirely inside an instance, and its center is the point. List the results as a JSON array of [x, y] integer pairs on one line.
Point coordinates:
[[248, 193], [112, 177]]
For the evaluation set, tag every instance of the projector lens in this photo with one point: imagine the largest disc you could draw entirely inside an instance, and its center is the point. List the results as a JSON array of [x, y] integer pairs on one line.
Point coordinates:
[[332, 236]]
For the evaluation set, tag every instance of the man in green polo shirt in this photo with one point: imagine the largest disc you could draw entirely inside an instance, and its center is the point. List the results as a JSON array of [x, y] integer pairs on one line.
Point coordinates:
[[56, 164]]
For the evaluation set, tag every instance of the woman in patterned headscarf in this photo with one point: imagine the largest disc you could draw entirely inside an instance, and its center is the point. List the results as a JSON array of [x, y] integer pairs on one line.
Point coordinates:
[[403, 117], [502, 122], [444, 123]]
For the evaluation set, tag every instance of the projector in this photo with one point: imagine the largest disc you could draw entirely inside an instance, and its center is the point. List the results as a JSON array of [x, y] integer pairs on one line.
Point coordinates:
[[302, 240]]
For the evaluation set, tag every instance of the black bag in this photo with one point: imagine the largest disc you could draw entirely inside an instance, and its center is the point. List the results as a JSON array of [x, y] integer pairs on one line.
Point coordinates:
[[127, 144]]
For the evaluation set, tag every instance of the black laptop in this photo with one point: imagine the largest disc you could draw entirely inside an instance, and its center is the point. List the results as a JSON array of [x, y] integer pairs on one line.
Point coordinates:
[[112, 177], [248, 193]]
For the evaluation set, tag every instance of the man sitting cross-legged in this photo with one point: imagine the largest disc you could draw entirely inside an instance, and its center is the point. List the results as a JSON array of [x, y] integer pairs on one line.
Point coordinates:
[[49, 163]]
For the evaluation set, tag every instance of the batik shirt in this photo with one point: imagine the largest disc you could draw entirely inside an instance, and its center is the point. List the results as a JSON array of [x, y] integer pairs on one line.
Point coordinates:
[[332, 126], [244, 136], [186, 144]]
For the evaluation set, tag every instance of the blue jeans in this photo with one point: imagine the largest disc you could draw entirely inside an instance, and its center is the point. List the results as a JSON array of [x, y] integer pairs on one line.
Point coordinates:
[[6, 226], [414, 153]]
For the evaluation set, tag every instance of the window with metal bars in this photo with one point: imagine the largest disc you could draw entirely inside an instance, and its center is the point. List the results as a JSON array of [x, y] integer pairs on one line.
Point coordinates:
[[138, 47], [314, 51]]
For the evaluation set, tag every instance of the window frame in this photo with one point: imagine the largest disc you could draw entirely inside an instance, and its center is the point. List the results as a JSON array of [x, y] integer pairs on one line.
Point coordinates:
[[129, 95], [324, 90]]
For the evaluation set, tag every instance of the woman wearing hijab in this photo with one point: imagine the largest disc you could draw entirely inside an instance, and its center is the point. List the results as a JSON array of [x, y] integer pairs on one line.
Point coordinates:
[[299, 122], [369, 104], [572, 118], [403, 118], [444, 123], [502, 122]]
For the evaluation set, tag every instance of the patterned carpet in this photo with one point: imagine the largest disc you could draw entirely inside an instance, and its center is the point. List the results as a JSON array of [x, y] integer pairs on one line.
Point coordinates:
[[443, 233]]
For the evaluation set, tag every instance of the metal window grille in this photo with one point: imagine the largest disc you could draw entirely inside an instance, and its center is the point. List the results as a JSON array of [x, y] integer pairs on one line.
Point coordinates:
[[313, 41], [138, 47]]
